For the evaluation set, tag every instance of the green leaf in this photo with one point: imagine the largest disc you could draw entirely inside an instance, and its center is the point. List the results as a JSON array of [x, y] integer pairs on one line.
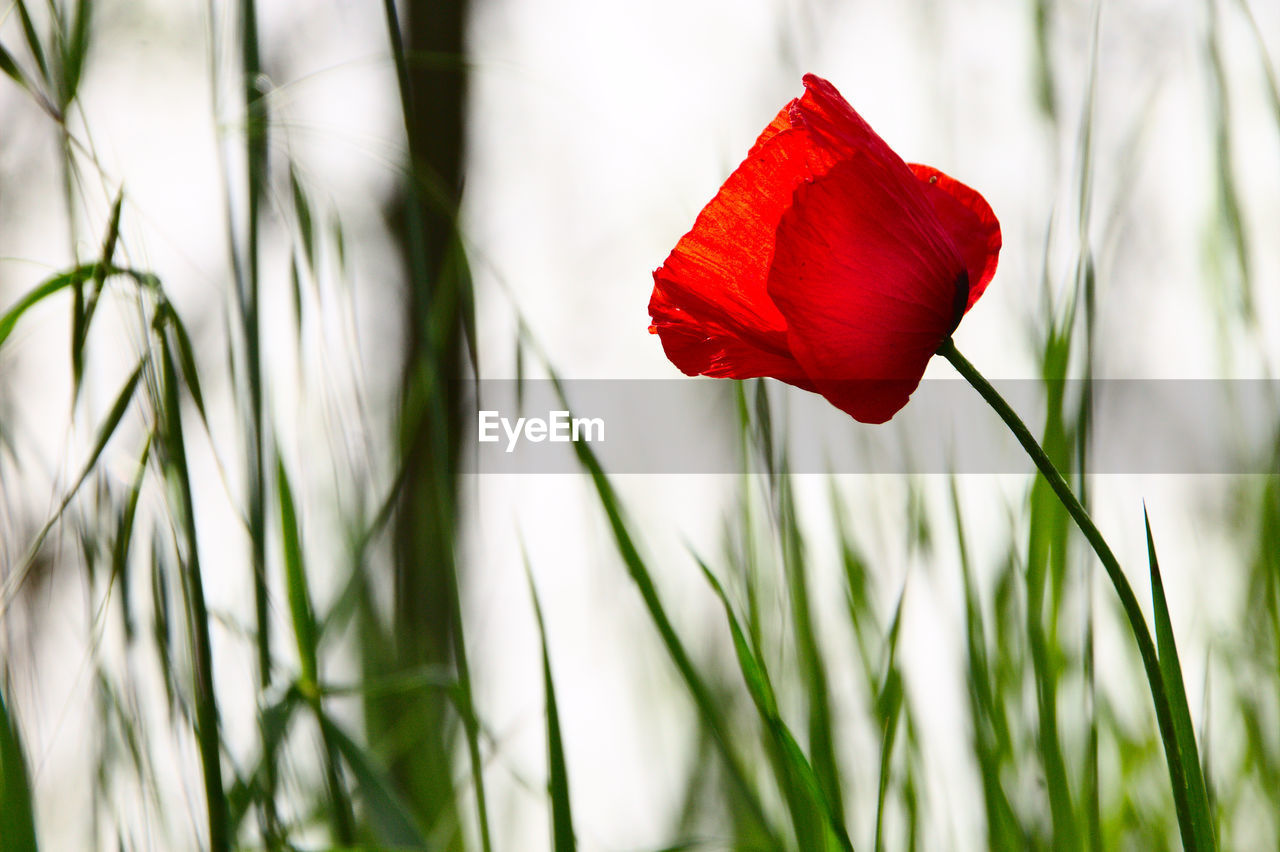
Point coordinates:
[[1199, 835]]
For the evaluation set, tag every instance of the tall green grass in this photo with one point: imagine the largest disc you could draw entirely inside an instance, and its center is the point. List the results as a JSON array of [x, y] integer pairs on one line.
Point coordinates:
[[809, 721]]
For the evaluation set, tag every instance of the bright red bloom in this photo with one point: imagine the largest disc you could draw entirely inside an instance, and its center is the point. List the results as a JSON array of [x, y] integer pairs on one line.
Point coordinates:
[[827, 262]]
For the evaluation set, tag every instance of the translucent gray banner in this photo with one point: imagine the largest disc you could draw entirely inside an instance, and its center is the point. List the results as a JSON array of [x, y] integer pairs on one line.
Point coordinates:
[[691, 426]]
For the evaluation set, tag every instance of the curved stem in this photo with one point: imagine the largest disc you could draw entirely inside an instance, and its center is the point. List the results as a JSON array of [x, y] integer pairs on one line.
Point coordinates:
[[1138, 623]]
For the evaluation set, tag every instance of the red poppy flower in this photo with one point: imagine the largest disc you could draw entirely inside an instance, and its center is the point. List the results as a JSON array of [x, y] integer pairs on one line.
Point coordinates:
[[827, 262]]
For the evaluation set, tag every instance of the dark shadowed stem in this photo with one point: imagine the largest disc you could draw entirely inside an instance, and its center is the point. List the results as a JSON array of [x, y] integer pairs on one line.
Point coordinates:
[[1138, 624]]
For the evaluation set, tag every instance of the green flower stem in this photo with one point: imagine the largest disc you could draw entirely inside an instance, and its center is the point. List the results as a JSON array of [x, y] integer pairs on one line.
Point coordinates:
[[1138, 623]]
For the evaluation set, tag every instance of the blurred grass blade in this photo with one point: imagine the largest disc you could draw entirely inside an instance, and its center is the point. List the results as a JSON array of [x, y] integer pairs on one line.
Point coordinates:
[[1201, 817], [274, 725], [38, 294], [557, 771], [801, 778], [1231, 211], [17, 814], [389, 818], [889, 700], [813, 671], [710, 713], [33, 40], [61, 281], [1092, 793], [75, 50], [162, 619], [1264, 56], [173, 456], [108, 426], [86, 304], [15, 579], [10, 67], [306, 224], [122, 540], [301, 614], [166, 314], [307, 637], [992, 744]]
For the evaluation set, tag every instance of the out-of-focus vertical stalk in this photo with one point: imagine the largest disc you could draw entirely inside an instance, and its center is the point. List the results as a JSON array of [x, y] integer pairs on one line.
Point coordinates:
[[247, 289], [426, 617], [173, 454], [256, 149]]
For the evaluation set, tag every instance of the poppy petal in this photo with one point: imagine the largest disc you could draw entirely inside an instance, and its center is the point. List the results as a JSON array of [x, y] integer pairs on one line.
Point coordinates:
[[836, 130], [710, 304], [709, 295], [969, 221], [867, 279], [704, 347]]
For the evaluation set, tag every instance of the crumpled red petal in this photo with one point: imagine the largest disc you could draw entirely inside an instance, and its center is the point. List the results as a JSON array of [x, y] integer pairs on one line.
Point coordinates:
[[867, 280], [969, 221], [709, 303]]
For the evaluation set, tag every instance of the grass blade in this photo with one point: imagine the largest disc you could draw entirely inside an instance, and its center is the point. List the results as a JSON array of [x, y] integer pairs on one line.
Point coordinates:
[[174, 458], [186, 356], [991, 738], [306, 224], [106, 429], [17, 814], [802, 783], [822, 745], [390, 819], [10, 67], [274, 724], [86, 305], [33, 40], [39, 293], [123, 539], [639, 572], [558, 776], [307, 636], [711, 716], [1199, 822], [304, 622], [61, 281], [889, 702]]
